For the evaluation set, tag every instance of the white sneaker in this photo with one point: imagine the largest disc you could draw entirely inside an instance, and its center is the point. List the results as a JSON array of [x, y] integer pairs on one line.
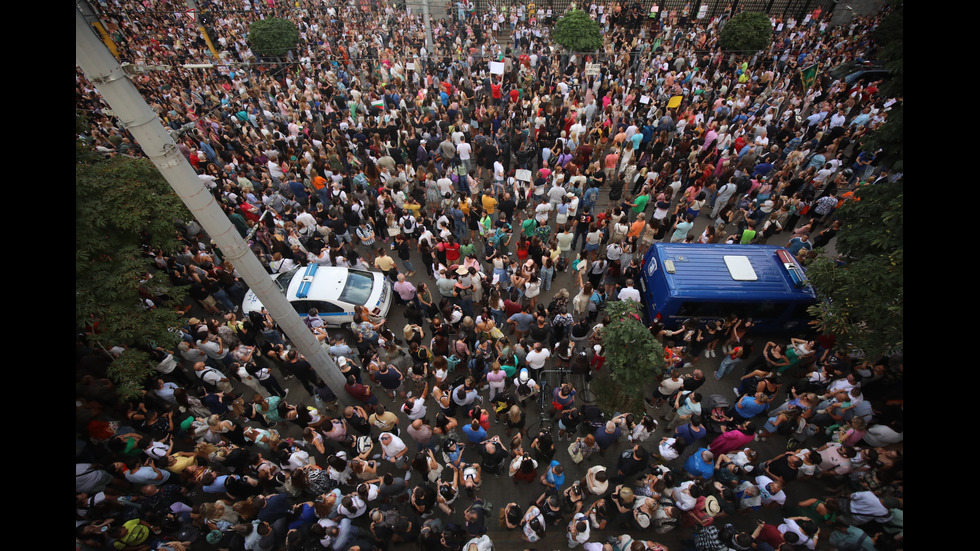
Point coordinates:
[[707, 353]]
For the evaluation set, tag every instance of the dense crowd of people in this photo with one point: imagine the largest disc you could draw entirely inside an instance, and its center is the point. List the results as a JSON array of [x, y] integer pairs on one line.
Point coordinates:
[[365, 150]]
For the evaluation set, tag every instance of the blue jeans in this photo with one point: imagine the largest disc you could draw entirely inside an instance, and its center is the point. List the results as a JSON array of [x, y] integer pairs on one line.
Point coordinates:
[[546, 277], [726, 366], [503, 278], [498, 316], [467, 306], [222, 297]]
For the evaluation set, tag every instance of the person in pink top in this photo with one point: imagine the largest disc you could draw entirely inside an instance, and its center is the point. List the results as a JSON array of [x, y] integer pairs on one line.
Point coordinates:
[[610, 165], [497, 380], [732, 440]]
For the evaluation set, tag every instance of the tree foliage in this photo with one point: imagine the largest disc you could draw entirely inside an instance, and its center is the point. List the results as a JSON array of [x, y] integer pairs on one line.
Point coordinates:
[[634, 358], [747, 32], [889, 138], [862, 295], [121, 205], [273, 36], [578, 32]]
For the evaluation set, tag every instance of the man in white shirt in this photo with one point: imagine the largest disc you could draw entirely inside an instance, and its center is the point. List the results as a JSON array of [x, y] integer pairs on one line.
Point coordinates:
[[838, 118], [682, 496], [445, 185], [628, 292], [578, 530], [771, 491], [394, 449], [306, 218], [866, 507], [578, 129], [542, 213], [464, 151], [537, 357]]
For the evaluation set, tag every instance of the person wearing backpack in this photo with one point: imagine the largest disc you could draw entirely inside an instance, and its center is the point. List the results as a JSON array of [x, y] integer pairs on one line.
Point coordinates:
[[596, 302]]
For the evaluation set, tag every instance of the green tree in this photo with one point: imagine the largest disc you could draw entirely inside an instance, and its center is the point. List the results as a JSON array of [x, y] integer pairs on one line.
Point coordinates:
[[634, 358], [123, 205], [747, 32], [272, 37], [862, 296], [888, 139], [578, 32]]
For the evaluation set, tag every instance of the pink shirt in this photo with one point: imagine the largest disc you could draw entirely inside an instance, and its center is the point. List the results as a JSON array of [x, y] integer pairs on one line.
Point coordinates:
[[497, 377], [612, 160]]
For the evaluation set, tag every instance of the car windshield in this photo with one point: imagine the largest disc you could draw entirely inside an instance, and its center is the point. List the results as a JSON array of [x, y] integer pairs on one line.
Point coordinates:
[[843, 70], [282, 280], [357, 289]]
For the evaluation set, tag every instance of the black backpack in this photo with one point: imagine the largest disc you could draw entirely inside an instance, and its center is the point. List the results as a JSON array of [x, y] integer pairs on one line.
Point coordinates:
[[616, 190]]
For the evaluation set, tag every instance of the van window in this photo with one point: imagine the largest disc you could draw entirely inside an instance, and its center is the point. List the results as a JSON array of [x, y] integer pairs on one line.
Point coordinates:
[[756, 310]]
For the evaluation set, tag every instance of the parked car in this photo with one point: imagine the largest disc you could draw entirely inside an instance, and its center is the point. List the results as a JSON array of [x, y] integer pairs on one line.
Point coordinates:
[[333, 291]]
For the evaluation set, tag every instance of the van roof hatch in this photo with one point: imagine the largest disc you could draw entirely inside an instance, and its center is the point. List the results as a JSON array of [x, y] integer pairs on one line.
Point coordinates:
[[740, 268]]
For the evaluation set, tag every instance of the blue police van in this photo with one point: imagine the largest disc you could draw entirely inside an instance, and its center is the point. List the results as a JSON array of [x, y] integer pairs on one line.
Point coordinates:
[[713, 281]]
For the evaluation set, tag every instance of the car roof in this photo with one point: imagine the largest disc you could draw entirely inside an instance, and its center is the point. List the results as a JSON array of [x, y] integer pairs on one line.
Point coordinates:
[[328, 282]]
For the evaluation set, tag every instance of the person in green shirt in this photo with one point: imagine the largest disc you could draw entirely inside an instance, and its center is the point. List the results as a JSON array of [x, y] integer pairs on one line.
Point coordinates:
[[237, 220], [528, 226], [502, 239], [748, 234], [132, 535], [639, 203], [485, 223], [851, 537], [467, 248]]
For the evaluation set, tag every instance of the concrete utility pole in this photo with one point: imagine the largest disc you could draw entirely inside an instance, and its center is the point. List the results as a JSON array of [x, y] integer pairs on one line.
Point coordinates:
[[137, 117], [428, 27]]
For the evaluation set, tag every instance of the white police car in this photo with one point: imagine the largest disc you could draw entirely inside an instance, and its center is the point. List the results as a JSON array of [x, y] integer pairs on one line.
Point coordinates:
[[333, 291]]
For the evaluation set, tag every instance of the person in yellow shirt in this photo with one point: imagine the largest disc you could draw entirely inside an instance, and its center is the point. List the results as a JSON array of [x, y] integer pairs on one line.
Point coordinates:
[[385, 263], [413, 206], [489, 203], [177, 462]]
